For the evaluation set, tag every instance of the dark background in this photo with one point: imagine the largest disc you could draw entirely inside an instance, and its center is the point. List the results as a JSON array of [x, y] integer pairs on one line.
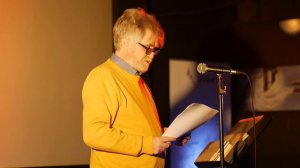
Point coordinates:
[[244, 33]]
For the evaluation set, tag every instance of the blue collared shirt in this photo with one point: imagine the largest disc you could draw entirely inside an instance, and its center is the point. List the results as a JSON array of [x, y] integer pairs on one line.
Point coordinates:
[[124, 65]]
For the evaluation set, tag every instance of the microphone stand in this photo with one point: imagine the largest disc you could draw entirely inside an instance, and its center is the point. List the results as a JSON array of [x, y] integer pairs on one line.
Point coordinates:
[[221, 93]]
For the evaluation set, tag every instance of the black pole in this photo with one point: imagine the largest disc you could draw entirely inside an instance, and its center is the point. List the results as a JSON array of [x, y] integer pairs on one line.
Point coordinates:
[[221, 93]]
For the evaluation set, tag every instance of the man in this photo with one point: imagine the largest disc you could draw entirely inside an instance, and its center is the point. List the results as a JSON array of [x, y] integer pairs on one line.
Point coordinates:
[[120, 120]]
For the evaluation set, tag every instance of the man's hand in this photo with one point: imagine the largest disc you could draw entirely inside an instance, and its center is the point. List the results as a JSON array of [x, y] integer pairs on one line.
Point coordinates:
[[183, 139], [160, 144]]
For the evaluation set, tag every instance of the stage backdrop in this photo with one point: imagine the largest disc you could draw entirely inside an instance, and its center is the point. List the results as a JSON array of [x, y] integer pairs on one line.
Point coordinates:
[[47, 48], [188, 86], [276, 89]]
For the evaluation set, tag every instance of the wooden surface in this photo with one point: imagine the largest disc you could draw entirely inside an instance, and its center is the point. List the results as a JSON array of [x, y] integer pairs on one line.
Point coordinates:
[[235, 142]]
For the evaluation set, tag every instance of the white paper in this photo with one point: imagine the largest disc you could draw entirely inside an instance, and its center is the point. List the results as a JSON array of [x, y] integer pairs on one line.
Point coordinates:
[[193, 116]]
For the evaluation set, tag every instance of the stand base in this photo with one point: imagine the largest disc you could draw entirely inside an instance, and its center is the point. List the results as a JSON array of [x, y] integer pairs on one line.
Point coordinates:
[[213, 164]]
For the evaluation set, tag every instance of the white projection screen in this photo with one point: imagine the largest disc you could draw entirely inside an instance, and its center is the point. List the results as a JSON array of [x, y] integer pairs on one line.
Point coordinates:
[[47, 48]]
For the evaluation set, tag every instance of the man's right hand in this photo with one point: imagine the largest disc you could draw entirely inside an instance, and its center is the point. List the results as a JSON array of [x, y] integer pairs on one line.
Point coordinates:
[[160, 144]]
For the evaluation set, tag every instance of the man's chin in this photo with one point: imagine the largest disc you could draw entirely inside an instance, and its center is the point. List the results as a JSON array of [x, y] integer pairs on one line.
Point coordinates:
[[144, 70]]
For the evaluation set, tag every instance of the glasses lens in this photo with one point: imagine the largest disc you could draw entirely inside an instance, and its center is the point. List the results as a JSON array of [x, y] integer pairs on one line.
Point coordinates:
[[156, 50], [150, 50]]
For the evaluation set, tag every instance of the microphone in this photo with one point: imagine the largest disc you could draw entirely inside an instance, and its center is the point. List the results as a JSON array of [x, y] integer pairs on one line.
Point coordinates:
[[202, 69]]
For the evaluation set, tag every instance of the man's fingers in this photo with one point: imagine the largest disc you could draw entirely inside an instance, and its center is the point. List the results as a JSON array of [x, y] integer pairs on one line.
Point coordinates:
[[168, 139], [167, 144], [160, 144]]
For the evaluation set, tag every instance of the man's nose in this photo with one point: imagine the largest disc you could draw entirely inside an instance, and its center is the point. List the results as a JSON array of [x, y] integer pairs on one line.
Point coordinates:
[[151, 55]]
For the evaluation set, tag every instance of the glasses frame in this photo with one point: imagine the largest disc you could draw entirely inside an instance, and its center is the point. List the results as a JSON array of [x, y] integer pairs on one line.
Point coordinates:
[[150, 50]]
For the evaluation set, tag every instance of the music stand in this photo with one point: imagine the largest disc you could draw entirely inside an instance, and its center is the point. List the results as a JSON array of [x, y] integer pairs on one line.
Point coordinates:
[[237, 141]]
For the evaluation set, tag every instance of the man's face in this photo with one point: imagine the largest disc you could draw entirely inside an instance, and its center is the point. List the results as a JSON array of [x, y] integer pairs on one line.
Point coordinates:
[[140, 59]]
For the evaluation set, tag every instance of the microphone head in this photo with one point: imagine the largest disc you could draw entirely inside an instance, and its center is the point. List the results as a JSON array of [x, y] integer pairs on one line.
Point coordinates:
[[201, 68]]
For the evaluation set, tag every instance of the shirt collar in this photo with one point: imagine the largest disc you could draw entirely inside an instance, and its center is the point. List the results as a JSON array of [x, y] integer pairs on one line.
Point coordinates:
[[124, 65]]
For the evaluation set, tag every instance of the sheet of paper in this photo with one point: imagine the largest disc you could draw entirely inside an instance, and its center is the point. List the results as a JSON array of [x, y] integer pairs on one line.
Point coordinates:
[[193, 116]]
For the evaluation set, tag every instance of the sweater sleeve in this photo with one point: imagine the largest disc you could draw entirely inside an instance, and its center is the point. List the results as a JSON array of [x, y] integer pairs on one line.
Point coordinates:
[[100, 106]]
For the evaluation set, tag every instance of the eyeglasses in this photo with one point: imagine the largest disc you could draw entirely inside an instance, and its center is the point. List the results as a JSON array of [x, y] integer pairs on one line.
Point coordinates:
[[149, 50]]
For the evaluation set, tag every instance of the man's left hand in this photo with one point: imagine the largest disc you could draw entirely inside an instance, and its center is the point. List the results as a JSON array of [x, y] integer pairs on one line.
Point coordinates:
[[183, 140]]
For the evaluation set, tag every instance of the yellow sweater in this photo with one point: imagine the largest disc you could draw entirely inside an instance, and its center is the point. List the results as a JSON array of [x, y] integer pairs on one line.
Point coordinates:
[[119, 119]]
